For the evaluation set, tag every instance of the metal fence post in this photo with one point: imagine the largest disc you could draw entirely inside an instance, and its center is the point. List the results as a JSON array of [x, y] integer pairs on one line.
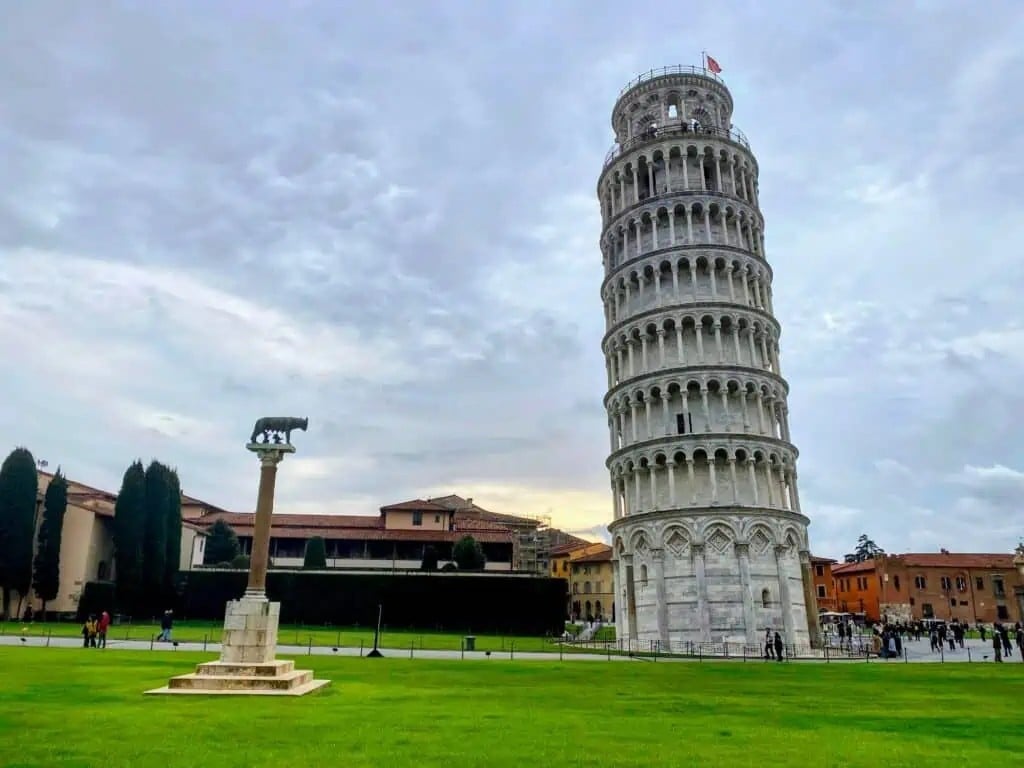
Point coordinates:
[[412, 645], [309, 648], [968, 655], [360, 647], [204, 641]]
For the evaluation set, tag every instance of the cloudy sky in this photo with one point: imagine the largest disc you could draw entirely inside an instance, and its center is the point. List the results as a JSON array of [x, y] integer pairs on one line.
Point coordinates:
[[382, 216]]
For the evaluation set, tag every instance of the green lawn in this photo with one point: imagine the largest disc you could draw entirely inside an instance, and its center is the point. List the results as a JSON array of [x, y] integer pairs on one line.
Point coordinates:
[[76, 708]]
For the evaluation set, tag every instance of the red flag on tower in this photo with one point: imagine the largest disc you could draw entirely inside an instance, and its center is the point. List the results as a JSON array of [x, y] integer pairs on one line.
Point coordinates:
[[713, 65]]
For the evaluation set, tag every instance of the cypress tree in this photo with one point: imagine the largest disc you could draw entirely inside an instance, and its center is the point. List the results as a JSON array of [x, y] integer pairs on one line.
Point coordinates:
[[316, 554], [19, 486], [173, 536], [46, 577], [154, 544], [221, 544], [129, 533]]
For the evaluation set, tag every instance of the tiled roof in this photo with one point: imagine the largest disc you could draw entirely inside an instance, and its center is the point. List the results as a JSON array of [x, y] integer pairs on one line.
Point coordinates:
[[955, 560], [416, 505], [820, 560], [867, 565], [602, 555], [572, 546], [281, 520]]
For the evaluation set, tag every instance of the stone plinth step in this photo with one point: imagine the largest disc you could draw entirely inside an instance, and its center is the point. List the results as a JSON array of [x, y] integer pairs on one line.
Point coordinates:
[[291, 679], [251, 669], [300, 690]]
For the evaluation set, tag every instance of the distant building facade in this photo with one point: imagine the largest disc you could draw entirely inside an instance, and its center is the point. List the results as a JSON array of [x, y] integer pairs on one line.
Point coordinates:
[[969, 587], [824, 583], [396, 539], [588, 569]]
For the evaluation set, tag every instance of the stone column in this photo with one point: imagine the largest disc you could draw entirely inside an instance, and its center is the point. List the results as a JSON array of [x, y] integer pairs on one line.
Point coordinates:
[[784, 598], [810, 599], [661, 597], [671, 465], [743, 556], [630, 597], [259, 559], [703, 609]]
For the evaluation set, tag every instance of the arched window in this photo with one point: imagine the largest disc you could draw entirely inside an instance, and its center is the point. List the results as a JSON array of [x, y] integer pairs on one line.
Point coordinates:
[[575, 588], [643, 575], [766, 598], [586, 587], [673, 111], [102, 571]]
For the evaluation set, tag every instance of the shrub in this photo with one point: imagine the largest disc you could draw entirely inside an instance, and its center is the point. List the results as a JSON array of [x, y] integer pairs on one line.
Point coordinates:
[[316, 554], [468, 554]]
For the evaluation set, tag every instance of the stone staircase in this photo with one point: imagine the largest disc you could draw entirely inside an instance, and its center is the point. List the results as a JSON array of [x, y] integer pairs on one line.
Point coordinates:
[[275, 678]]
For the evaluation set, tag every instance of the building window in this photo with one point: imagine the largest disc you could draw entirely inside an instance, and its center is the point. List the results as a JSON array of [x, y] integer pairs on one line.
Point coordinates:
[[961, 583], [586, 587], [911, 602], [997, 586], [1002, 613], [946, 583], [437, 518], [103, 571], [979, 583], [927, 611], [766, 598], [896, 583], [565, 566], [920, 582], [819, 570], [575, 588], [417, 518], [821, 590], [643, 575]]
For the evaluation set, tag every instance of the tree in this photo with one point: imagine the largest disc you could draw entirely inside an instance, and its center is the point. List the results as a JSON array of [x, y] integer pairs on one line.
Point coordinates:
[[19, 487], [468, 554], [316, 554], [866, 550], [129, 535], [46, 568], [173, 560], [154, 543], [429, 559], [221, 544]]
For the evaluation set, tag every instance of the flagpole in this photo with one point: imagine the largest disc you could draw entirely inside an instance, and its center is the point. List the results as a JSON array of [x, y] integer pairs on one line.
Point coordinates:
[[704, 60]]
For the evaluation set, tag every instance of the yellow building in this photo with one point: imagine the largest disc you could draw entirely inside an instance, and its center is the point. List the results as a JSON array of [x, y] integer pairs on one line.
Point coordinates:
[[587, 568]]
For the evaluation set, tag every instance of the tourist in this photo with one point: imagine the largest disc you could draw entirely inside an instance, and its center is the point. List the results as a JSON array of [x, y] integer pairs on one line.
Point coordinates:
[[778, 647], [981, 631], [768, 643], [934, 637], [101, 629], [166, 624], [997, 646], [89, 632], [899, 644], [1004, 635], [1020, 640], [891, 647], [952, 641]]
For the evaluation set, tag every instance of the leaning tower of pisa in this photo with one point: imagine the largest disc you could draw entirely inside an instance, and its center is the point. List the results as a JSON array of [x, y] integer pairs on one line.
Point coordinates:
[[708, 535]]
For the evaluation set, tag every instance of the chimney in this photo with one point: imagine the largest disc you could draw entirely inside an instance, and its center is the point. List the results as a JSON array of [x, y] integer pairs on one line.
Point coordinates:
[[944, 551], [469, 500]]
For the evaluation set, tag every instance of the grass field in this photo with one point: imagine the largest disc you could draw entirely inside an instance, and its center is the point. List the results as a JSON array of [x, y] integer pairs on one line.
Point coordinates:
[[77, 708], [196, 631]]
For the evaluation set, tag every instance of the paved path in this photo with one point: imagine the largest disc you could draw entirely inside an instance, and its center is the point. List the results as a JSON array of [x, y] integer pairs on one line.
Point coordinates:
[[916, 652]]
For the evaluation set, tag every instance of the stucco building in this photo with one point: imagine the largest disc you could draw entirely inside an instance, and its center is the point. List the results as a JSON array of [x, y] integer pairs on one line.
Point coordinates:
[[395, 539], [87, 542], [708, 533], [824, 583], [588, 570]]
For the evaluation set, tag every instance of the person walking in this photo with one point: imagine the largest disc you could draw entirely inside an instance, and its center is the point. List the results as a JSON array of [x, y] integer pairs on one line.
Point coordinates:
[[1020, 640], [778, 647], [768, 644], [101, 629], [166, 625], [1004, 635], [997, 646], [899, 644]]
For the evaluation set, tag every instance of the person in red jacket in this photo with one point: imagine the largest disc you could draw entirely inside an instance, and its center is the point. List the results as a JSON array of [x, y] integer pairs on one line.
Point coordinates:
[[101, 628]]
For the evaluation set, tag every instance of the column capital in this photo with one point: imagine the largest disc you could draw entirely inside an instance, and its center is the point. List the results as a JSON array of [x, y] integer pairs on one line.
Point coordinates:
[[270, 454], [627, 558], [697, 548], [657, 555], [670, 463], [805, 557], [742, 548]]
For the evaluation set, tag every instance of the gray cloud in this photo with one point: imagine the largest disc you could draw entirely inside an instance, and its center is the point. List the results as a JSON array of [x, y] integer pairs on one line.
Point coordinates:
[[385, 219]]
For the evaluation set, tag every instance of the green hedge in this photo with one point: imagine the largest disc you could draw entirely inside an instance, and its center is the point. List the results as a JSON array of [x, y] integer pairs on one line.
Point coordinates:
[[456, 603]]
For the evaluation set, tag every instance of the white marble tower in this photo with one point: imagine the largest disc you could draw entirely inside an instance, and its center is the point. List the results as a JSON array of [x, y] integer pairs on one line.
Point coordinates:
[[708, 535]]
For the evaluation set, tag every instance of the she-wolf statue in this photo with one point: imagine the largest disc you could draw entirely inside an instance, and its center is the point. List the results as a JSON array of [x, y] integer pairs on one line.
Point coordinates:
[[270, 425]]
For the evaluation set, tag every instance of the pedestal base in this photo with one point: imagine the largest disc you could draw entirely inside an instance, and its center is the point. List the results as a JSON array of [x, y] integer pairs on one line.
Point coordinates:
[[247, 665]]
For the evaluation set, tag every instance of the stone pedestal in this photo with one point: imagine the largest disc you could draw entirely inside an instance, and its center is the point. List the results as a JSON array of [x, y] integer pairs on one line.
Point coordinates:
[[247, 665]]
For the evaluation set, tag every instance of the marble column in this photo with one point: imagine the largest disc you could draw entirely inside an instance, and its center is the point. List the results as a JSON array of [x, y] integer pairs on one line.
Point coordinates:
[[703, 608], [660, 594], [749, 627], [784, 597]]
